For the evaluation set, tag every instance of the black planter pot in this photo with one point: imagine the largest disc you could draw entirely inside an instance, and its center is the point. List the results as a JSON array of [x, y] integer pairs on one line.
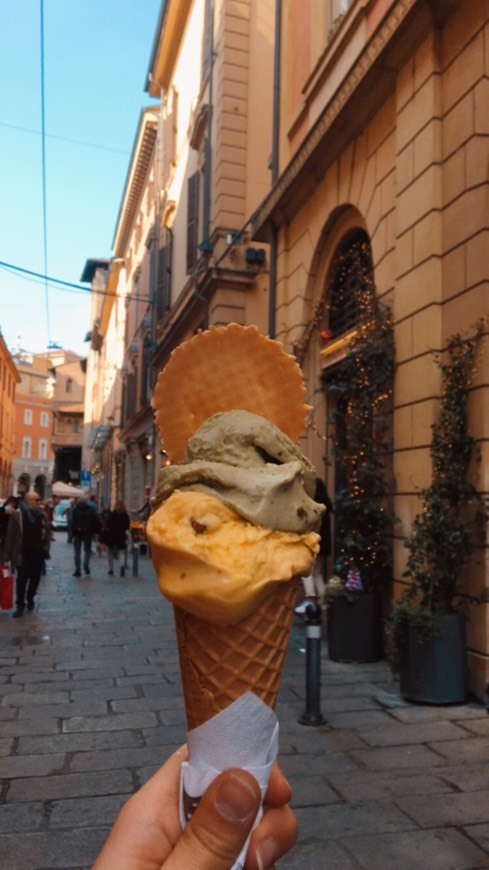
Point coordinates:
[[355, 629], [435, 672]]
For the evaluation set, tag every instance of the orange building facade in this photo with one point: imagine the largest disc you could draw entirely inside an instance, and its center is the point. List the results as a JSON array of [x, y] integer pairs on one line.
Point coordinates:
[[33, 455], [9, 378], [382, 134]]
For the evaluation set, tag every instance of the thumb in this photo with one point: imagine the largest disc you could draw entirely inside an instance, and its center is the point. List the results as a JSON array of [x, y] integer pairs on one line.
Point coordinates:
[[219, 827]]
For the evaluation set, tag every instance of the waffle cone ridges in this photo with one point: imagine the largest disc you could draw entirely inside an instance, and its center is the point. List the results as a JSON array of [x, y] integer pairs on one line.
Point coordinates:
[[218, 664]]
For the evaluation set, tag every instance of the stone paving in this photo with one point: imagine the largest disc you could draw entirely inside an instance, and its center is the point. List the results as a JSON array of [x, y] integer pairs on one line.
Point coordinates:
[[91, 705]]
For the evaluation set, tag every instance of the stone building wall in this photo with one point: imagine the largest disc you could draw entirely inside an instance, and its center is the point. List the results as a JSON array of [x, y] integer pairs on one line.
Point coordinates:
[[416, 179]]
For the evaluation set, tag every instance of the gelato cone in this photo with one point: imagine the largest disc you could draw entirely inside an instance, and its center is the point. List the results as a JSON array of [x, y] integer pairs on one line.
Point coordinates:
[[234, 523], [218, 665]]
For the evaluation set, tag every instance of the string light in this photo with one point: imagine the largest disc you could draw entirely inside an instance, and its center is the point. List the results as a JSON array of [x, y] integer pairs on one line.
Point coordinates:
[[363, 382]]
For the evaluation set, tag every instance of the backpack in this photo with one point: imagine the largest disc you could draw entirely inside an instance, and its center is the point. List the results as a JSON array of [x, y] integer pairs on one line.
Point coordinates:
[[83, 521]]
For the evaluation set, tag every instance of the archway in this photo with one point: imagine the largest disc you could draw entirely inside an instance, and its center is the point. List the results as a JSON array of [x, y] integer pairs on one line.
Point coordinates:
[[357, 379]]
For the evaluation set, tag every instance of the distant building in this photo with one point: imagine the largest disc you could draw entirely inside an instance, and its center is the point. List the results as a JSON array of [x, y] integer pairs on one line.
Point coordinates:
[[183, 258], [32, 465], [48, 419], [9, 378], [103, 382], [68, 372]]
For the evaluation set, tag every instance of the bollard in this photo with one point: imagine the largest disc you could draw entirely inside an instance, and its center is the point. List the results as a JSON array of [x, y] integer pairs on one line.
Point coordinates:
[[135, 559], [313, 619]]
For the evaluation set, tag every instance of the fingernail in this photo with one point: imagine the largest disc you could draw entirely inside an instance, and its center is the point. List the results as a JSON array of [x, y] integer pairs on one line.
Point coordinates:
[[266, 854], [235, 800]]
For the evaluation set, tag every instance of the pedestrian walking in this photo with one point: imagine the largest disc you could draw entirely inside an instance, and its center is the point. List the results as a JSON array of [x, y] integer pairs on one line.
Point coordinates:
[[27, 543], [69, 520], [85, 525], [116, 528]]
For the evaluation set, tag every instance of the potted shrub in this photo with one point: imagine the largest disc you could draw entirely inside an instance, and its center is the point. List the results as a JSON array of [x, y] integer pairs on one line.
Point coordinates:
[[362, 384], [428, 626]]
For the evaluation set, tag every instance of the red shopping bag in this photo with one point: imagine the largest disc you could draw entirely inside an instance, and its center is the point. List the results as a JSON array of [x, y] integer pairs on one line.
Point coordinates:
[[6, 588]]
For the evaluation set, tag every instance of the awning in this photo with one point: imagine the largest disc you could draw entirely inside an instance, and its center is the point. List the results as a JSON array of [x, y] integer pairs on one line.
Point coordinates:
[[75, 408], [64, 490]]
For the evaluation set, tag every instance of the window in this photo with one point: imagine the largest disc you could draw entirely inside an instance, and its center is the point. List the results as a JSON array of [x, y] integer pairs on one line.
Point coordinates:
[[28, 416], [163, 280], [26, 448], [145, 370], [192, 221], [169, 157], [334, 11], [131, 394], [44, 419], [76, 426], [69, 385], [351, 282], [43, 449]]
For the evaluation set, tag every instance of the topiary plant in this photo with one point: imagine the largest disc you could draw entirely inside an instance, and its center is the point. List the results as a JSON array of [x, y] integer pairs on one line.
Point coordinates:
[[453, 512]]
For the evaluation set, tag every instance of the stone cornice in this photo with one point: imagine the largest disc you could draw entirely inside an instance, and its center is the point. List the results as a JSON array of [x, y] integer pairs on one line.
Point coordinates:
[[375, 52]]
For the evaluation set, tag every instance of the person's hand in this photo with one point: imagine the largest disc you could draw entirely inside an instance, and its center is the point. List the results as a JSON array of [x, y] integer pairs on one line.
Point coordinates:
[[147, 834]]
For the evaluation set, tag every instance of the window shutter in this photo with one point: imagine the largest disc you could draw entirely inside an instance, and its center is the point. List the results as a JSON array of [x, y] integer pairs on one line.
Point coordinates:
[[163, 283], [169, 155], [131, 390], [192, 221], [145, 372]]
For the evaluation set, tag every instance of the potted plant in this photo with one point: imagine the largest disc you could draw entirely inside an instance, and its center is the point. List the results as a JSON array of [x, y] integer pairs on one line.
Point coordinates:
[[362, 384], [428, 625]]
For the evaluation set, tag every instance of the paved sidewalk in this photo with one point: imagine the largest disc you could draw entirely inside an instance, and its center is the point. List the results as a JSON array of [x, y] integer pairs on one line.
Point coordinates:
[[91, 706]]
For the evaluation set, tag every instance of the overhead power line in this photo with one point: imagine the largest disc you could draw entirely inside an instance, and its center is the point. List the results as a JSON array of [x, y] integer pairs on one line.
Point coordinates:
[[65, 139], [43, 164], [39, 278]]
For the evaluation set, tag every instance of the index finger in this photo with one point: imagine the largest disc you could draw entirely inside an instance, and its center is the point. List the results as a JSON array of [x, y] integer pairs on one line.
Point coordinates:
[[278, 792]]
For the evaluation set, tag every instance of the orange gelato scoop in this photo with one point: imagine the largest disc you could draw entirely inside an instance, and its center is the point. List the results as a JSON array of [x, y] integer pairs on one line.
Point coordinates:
[[216, 565]]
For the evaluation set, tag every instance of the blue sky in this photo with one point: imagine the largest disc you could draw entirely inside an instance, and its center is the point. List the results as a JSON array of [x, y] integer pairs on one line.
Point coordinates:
[[96, 56]]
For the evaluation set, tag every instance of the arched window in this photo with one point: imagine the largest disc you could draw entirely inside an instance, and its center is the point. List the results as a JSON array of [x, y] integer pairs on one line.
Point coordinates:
[[351, 285], [358, 381], [69, 385]]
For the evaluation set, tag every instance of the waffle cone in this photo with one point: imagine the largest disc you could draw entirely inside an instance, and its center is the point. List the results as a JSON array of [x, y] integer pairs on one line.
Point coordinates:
[[218, 664], [224, 369]]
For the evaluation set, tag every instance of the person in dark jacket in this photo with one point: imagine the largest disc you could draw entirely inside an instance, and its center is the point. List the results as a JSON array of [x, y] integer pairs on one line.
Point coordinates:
[[116, 529], [85, 525], [27, 543]]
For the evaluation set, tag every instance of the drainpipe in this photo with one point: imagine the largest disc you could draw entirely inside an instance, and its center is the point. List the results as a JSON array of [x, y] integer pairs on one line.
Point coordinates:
[[272, 296], [276, 90], [151, 471], [206, 245], [169, 232], [200, 296], [208, 143]]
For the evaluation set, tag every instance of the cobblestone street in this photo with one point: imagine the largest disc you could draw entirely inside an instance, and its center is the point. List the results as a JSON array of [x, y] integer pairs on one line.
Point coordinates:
[[91, 705]]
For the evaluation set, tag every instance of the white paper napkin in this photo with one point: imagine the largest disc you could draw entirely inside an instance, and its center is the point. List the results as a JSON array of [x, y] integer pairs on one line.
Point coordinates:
[[243, 735]]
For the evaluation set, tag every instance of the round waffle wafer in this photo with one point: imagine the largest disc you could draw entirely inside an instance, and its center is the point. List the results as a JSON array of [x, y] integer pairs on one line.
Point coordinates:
[[227, 368]]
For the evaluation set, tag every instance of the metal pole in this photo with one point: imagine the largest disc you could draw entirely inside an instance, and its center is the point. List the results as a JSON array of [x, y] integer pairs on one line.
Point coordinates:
[[135, 559], [313, 619]]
